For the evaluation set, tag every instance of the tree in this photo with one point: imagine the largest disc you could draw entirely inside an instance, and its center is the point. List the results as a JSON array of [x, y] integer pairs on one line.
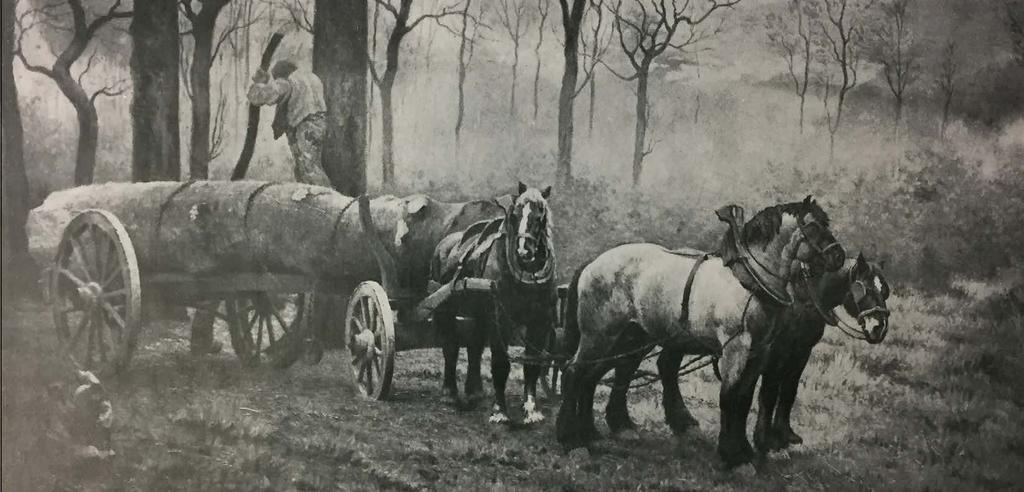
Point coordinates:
[[644, 34], [402, 26], [339, 58], [467, 44], [1015, 25], [17, 264], [894, 51], [790, 34], [543, 8], [594, 50], [572, 18], [80, 32], [205, 49], [512, 18], [946, 81], [156, 153], [841, 41]]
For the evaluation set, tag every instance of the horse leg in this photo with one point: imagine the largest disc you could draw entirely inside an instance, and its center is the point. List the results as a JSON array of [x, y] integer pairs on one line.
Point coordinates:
[[740, 368], [677, 416], [444, 321], [764, 435], [567, 428], [474, 352], [532, 371], [591, 378], [616, 413], [500, 367], [790, 383]]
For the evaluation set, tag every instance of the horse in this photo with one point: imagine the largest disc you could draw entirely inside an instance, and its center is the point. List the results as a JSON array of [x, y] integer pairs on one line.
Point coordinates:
[[515, 253], [632, 298], [861, 289]]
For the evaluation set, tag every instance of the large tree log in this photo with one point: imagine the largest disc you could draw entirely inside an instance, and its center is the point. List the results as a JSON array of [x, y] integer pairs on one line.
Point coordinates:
[[209, 228]]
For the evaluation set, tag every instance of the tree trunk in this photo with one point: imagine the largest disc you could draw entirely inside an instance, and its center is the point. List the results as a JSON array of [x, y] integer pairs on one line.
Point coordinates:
[[88, 123], [898, 110], [536, 77], [803, 99], [946, 104], [199, 79], [88, 141], [340, 32], [640, 135], [572, 17], [156, 151], [590, 111], [515, 71], [19, 270], [387, 133], [461, 110]]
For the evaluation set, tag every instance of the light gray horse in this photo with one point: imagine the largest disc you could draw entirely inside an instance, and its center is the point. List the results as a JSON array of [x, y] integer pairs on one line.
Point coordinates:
[[637, 296]]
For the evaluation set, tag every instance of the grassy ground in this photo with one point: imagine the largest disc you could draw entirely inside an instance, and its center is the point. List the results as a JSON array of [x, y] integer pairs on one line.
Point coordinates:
[[937, 406]]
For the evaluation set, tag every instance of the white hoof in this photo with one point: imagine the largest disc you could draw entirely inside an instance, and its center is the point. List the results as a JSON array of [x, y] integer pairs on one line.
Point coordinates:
[[745, 471], [498, 418], [533, 417], [627, 435]]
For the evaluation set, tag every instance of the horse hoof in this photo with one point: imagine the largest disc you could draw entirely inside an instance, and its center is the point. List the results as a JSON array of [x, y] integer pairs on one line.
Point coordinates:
[[745, 470], [498, 418], [533, 417], [781, 455], [627, 435], [578, 456]]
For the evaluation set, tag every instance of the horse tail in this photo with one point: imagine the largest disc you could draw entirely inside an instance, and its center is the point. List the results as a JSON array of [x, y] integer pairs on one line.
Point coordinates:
[[571, 337]]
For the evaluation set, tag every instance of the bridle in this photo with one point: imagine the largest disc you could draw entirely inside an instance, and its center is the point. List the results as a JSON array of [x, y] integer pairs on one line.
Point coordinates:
[[855, 332], [512, 237], [802, 225]]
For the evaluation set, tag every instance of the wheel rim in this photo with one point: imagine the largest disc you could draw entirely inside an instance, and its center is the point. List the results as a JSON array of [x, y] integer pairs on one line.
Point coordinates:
[[261, 321], [370, 338], [95, 292]]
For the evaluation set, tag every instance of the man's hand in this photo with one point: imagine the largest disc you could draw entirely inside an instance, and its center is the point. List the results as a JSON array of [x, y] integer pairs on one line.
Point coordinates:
[[261, 76]]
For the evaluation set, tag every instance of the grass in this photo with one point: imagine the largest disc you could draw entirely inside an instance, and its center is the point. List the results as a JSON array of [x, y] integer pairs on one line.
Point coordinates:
[[938, 406]]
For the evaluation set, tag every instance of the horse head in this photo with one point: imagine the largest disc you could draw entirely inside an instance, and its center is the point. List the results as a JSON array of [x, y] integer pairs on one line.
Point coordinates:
[[528, 219], [865, 299], [799, 233]]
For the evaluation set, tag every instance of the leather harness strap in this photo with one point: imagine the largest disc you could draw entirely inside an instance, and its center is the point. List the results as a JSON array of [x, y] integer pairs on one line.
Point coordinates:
[[685, 313]]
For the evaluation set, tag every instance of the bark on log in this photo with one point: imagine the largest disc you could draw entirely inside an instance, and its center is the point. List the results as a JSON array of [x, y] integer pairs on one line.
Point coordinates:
[[209, 228]]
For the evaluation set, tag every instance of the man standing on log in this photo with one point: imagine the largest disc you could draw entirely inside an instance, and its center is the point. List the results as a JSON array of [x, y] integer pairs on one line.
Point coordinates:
[[301, 114]]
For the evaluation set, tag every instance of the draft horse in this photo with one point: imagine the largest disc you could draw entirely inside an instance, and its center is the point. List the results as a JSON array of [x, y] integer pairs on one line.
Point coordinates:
[[515, 253], [637, 296], [861, 289]]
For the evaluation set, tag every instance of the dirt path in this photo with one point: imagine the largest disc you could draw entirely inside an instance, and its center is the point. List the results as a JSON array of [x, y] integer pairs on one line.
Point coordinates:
[[185, 423]]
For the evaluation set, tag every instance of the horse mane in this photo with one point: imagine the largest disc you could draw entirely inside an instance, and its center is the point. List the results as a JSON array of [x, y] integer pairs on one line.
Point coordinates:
[[764, 226]]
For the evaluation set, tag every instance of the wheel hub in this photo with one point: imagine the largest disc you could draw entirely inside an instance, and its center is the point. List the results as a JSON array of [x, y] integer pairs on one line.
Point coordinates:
[[90, 292], [363, 342]]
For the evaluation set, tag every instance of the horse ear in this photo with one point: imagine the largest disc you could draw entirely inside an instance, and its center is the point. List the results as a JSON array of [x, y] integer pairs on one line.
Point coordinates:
[[546, 193], [808, 200], [861, 267], [522, 188]]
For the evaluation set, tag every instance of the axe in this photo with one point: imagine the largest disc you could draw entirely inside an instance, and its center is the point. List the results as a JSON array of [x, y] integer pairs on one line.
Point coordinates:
[[254, 114]]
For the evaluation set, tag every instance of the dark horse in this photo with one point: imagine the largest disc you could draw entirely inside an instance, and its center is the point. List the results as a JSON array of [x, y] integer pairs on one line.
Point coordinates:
[[637, 296], [861, 290], [515, 254]]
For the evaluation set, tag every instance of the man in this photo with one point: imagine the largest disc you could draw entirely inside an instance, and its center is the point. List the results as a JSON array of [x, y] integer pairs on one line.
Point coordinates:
[[301, 114]]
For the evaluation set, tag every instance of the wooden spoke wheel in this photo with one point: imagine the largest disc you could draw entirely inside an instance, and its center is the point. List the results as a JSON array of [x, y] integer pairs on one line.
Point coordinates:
[[370, 338], [95, 292], [272, 324]]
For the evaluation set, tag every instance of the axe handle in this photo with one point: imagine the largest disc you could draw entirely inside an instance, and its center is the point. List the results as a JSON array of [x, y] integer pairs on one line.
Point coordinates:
[[242, 166]]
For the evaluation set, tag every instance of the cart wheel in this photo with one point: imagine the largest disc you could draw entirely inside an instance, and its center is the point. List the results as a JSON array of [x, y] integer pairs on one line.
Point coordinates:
[[370, 338], [95, 293], [268, 323]]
